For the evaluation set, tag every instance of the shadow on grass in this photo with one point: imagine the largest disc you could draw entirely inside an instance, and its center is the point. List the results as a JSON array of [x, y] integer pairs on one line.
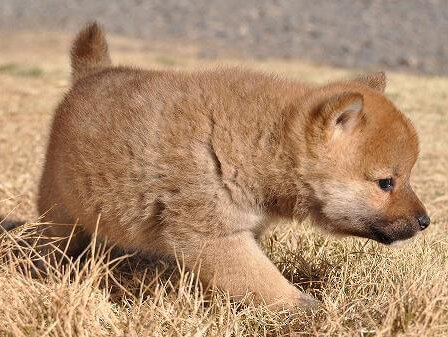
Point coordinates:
[[9, 224]]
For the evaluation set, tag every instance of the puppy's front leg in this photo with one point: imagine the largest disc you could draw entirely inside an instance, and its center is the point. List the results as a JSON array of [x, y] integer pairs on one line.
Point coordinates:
[[236, 264]]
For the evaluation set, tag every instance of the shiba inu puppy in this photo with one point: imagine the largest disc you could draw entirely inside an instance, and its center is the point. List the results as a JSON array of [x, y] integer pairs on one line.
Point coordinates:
[[197, 164]]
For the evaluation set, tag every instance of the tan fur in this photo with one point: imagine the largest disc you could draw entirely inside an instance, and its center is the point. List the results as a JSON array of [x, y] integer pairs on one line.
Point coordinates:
[[196, 165]]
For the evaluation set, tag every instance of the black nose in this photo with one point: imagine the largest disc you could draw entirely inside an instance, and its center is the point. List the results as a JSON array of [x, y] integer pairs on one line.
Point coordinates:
[[423, 221]]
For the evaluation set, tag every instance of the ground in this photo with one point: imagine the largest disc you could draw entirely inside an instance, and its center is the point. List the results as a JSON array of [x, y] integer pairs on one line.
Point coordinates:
[[366, 289], [409, 35]]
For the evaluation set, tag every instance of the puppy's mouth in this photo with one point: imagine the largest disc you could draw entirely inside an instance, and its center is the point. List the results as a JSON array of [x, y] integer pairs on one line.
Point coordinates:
[[381, 237], [374, 228], [387, 233]]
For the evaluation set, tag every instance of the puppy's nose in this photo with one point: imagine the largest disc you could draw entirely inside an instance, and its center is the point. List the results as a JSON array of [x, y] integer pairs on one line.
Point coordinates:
[[423, 221]]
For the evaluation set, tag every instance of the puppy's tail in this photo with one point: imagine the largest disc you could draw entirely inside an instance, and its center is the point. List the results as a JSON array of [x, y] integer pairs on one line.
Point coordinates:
[[89, 52]]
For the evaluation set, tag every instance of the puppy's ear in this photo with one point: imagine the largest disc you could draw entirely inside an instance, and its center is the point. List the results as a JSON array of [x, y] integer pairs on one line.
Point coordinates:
[[343, 113], [376, 81]]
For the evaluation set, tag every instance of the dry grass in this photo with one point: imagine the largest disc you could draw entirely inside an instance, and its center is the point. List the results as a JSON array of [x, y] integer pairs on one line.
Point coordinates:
[[366, 289]]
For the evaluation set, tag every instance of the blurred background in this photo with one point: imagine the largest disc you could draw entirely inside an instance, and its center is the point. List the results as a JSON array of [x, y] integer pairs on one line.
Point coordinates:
[[407, 35]]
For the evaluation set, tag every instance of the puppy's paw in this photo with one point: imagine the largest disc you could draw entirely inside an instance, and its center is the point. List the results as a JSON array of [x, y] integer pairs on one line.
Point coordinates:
[[308, 303], [296, 300]]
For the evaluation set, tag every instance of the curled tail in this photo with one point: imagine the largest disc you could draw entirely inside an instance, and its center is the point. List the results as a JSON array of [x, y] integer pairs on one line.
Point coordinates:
[[89, 51]]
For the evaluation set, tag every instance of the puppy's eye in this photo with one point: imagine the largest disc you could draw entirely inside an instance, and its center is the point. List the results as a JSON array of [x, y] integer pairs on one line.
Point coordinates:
[[386, 184]]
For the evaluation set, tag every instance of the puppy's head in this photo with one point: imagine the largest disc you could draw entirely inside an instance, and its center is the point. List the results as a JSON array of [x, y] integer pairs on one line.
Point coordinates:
[[361, 152]]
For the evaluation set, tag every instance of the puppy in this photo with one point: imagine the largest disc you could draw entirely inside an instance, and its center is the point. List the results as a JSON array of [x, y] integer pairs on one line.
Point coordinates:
[[198, 164]]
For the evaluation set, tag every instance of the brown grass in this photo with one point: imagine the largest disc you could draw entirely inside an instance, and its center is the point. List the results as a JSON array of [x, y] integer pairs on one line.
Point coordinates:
[[366, 289]]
